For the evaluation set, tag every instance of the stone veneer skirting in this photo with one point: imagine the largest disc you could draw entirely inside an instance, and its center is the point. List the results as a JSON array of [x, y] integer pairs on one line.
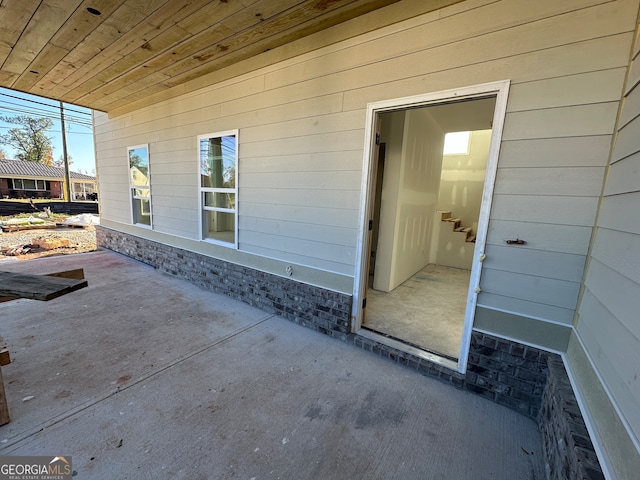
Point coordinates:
[[523, 378]]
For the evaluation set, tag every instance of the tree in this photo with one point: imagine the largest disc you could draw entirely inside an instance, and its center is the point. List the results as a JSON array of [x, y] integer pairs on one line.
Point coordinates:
[[60, 162], [3, 154], [30, 140]]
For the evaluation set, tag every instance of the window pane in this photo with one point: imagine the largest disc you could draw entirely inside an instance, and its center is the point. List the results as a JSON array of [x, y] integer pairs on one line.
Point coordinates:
[[141, 192], [29, 184], [141, 211], [219, 200], [218, 162], [139, 166], [219, 226]]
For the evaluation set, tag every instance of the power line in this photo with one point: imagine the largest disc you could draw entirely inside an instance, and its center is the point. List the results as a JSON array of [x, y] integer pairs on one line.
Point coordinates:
[[42, 103], [51, 116]]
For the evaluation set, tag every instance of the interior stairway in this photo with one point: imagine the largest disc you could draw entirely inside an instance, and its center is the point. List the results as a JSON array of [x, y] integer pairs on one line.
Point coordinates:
[[456, 242], [467, 232]]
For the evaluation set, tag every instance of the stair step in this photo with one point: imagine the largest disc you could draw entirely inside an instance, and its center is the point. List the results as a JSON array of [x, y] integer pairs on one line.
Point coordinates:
[[456, 222], [444, 216], [471, 239]]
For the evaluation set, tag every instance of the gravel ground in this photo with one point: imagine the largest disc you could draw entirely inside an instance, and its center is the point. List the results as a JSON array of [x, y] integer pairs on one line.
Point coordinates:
[[80, 240]]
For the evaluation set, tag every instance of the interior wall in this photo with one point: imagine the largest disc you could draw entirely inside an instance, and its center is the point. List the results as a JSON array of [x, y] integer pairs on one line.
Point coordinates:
[[391, 134], [409, 195], [462, 180]]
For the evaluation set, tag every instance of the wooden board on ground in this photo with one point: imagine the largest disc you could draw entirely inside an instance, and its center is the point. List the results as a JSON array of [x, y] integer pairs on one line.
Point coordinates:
[[17, 228], [40, 287]]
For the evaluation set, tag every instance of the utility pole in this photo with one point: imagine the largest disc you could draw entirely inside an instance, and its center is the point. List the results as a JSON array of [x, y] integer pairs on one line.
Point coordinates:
[[67, 174]]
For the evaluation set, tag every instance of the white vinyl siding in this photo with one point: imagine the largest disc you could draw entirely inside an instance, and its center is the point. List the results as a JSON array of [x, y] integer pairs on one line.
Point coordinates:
[[302, 123], [608, 322]]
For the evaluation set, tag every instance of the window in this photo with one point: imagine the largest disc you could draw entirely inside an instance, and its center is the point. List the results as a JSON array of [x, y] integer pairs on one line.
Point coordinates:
[[456, 143], [219, 187], [29, 184], [84, 191], [139, 184]]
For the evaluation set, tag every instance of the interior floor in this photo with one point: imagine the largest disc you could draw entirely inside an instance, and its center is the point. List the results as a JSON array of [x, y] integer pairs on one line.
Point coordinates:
[[426, 311]]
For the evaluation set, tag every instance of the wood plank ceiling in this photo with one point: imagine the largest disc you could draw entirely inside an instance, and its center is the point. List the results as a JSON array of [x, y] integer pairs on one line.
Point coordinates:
[[105, 54]]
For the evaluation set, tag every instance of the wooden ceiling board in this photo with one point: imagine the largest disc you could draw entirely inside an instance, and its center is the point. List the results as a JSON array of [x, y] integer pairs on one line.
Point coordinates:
[[116, 35], [14, 17], [266, 36], [48, 18], [134, 46], [137, 49], [159, 53]]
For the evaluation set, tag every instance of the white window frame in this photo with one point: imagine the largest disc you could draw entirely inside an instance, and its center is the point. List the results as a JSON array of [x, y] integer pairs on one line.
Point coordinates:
[[36, 181], [133, 188], [84, 191], [202, 208]]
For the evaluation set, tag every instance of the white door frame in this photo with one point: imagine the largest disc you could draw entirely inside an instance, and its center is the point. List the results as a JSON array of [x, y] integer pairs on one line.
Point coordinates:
[[501, 91]]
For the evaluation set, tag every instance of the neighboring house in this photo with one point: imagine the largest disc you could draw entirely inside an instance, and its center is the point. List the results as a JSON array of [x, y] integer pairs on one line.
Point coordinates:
[[20, 179], [287, 181]]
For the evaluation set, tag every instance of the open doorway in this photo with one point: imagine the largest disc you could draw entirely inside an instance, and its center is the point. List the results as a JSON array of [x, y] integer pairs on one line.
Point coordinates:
[[426, 216]]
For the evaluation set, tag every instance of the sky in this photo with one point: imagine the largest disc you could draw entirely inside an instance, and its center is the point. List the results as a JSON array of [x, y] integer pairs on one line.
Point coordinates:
[[78, 126]]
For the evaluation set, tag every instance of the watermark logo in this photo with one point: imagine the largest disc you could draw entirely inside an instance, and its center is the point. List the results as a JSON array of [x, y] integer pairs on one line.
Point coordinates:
[[35, 468]]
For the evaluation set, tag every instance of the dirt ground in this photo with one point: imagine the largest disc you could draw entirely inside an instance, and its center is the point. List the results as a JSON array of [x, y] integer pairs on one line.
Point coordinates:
[[53, 242]]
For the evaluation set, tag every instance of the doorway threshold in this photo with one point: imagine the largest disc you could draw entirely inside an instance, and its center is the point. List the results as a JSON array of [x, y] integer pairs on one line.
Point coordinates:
[[433, 358]]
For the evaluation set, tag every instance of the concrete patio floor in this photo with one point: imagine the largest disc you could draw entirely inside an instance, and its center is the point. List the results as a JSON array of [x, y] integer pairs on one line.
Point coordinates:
[[144, 376]]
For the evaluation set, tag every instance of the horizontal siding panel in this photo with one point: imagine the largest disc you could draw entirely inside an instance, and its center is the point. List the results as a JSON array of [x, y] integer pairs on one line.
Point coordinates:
[[561, 181], [616, 355], [591, 87], [464, 42], [627, 141], [559, 266], [170, 228], [634, 76], [557, 293], [321, 251], [333, 142], [299, 197], [181, 206], [245, 112], [617, 293], [322, 216], [621, 212], [631, 108], [319, 180], [624, 176], [237, 88], [266, 108], [342, 236], [174, 191], [525, 308], [307, 126], [490, 18], [582, 120], [311, 162], [173, 179], [545, 209], [556, 152], [306, 260], [620, 251], [540, 236], [597, 54], [184, 169]]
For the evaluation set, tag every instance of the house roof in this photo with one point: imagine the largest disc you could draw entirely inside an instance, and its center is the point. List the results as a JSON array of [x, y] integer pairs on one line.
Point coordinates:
[[126, 53], [20, 169]]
